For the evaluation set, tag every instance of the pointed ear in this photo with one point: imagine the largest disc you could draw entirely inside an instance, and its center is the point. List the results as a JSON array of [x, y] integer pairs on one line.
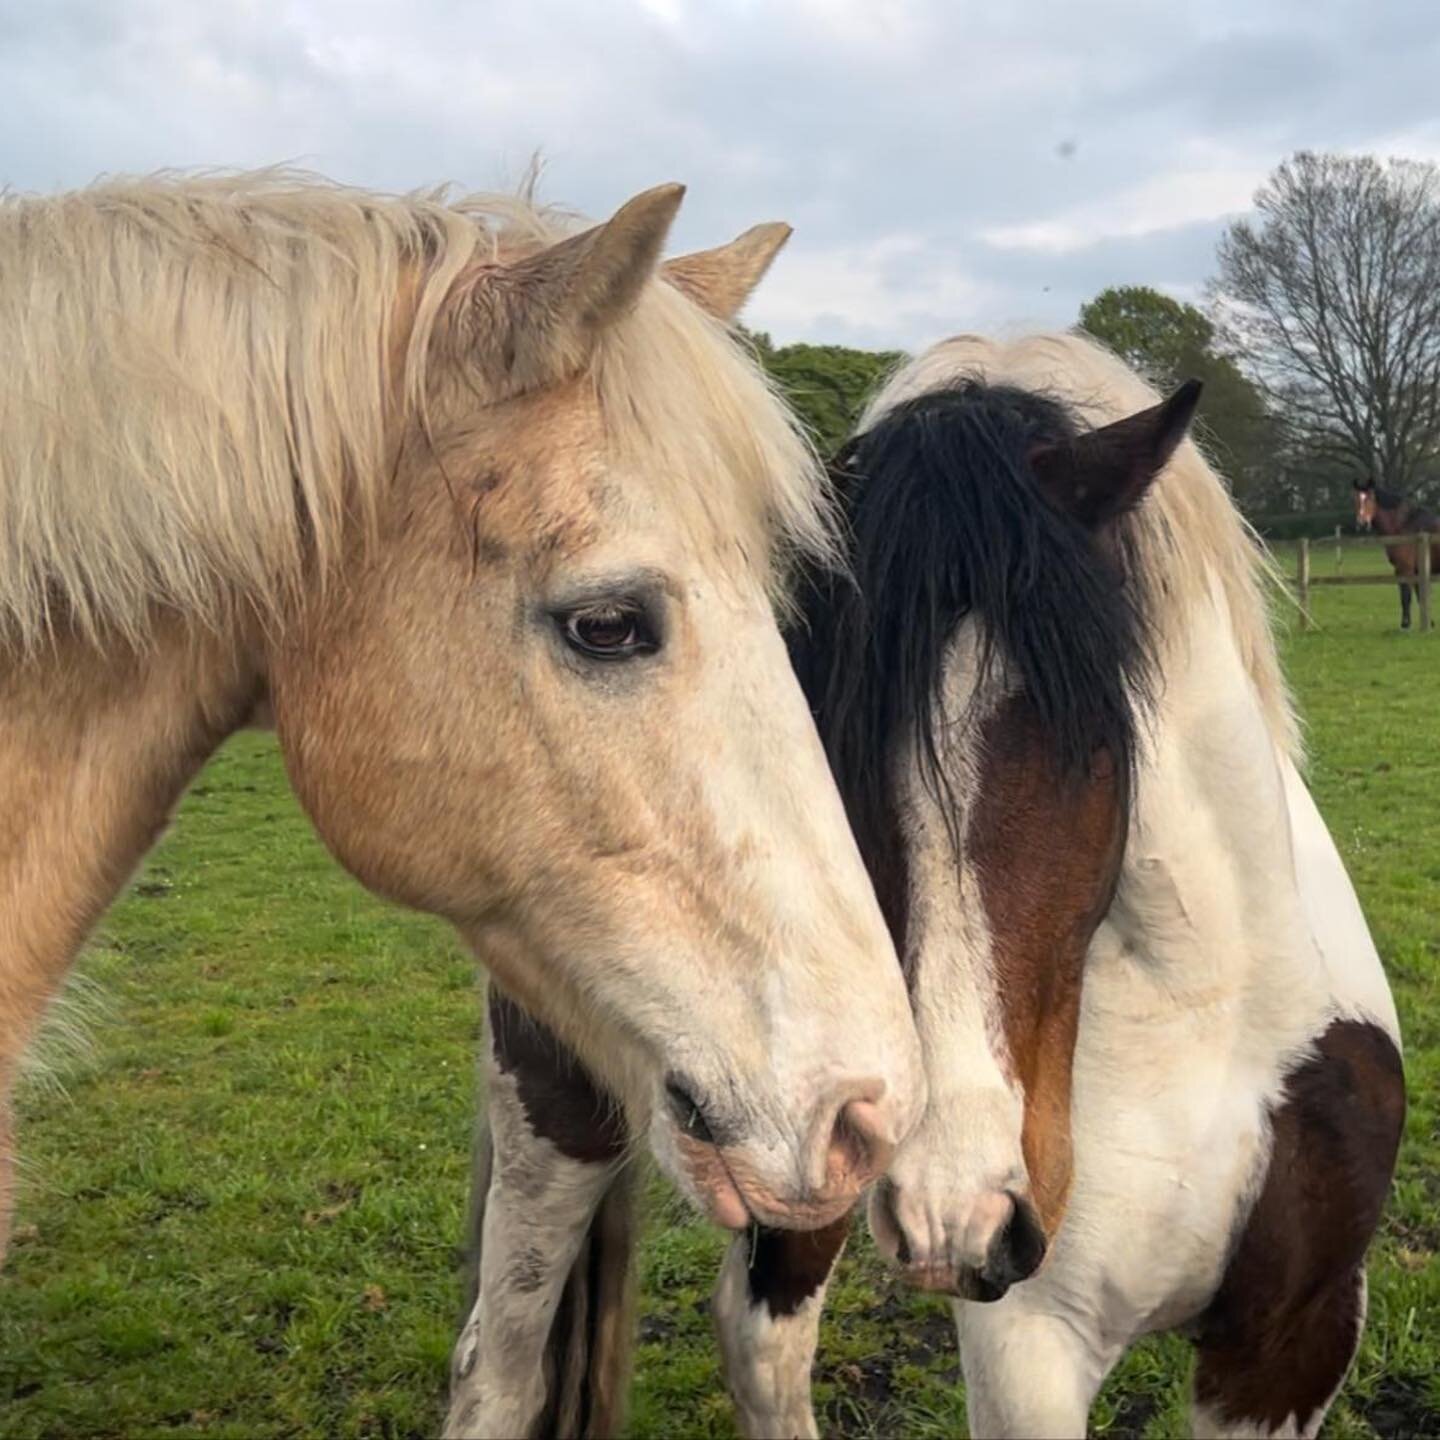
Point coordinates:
[[719, 281], [1100, 475], [535, 320]]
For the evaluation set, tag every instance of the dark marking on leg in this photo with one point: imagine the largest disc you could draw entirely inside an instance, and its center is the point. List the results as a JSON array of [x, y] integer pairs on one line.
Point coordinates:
[[1279, 1335], [526, 1272], [563, 1102], [788, 1266]]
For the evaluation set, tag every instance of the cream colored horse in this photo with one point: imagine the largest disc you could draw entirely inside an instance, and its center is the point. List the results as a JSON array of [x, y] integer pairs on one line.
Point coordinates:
[[490, 518]]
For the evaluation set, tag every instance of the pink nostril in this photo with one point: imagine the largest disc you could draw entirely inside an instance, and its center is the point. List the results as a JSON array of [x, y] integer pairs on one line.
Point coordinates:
[[861, 1146]]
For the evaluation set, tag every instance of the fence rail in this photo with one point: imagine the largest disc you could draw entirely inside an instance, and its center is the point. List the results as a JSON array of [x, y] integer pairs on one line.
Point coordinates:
[[1305, 581]]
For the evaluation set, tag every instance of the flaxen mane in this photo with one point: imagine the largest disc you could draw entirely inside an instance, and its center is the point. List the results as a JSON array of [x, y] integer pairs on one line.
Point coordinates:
[[205, 379]]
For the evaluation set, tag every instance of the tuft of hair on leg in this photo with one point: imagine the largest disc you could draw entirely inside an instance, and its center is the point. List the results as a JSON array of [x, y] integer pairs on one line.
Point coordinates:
[[64, 1046], [592, 1340], [590, 1351]]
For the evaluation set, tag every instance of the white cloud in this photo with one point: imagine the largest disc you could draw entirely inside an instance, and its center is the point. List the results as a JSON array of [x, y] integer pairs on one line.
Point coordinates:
[[1164, 202], [944, 164], [861, 290]]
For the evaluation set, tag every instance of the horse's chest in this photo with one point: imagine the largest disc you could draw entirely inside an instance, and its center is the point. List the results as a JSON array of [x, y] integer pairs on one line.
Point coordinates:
[[1171, 1139]]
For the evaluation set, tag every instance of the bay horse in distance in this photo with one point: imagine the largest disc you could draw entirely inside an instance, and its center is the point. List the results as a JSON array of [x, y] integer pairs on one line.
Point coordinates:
[[1390, 513]]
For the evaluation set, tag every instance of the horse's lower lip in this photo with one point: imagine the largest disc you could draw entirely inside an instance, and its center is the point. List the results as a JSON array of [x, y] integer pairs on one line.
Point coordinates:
[[946, 1280], [735, 1208], [727, 1205], [722, 1198]]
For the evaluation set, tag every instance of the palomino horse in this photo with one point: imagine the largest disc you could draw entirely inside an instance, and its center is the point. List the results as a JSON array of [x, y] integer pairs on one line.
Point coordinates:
[[1163, 1059], [490, 518], [1394, 514]]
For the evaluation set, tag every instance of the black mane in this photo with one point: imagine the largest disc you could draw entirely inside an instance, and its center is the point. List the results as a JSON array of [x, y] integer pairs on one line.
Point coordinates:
[[946, 520]]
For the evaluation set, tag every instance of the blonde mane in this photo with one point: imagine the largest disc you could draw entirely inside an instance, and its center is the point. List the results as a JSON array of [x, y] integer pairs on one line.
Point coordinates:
[[204, 382], [1188, 533]]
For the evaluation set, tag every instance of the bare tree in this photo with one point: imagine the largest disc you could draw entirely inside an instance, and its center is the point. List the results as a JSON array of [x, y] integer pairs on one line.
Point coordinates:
[[1332, 296]]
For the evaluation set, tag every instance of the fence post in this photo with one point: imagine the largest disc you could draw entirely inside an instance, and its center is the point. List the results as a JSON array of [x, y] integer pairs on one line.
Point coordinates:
[[1302, 584], [1423, 567]]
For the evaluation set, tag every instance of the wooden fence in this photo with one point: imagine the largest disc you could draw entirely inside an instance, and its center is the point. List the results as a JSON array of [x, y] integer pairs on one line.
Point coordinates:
[[1305, 581]]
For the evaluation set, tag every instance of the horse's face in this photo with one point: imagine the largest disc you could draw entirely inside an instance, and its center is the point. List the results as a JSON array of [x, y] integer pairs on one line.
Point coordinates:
[[1010, 869], [997, 935], [1365, 505], [554, 706]]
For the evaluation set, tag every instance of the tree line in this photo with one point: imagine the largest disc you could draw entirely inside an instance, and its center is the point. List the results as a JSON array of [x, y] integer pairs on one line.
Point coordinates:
[[1318, 342]]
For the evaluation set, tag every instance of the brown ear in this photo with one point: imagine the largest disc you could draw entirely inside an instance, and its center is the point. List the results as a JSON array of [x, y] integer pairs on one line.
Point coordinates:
[[536, 320], [1100, 475], [720, 281]]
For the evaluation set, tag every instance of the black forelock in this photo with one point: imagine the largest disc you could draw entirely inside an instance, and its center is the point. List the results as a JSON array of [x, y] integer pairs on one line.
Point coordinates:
[[947, 520]]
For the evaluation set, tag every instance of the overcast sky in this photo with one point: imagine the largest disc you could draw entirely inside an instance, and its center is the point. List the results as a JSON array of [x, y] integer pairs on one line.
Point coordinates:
[[946, 165]]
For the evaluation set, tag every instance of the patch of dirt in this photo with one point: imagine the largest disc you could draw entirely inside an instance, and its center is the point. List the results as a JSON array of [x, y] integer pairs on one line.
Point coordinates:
[[1132, 1416], [916, 1337], [1399, 1409]]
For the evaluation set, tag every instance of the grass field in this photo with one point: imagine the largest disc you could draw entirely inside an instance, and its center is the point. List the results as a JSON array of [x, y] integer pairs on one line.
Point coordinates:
[[243, 1188]]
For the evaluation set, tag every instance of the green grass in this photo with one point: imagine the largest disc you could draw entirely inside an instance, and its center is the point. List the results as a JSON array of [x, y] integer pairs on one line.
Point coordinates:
[[241, 1198]]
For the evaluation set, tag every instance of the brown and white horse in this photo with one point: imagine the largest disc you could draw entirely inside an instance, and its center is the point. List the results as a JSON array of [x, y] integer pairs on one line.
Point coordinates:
[[490, 517], [1163, 1059], [1394, 514]]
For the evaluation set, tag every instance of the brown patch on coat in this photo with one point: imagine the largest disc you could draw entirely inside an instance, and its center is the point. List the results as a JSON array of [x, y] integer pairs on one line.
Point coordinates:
[[563, 1102], [1047, 849], [1279, 1335], [787, 1267]]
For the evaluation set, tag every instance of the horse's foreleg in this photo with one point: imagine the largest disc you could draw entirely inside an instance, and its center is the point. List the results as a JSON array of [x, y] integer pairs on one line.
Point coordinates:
[[1276, 1340], [767, 1312], [1404, 605], [524, 1364], [1249, 1384], [1028, 1372]]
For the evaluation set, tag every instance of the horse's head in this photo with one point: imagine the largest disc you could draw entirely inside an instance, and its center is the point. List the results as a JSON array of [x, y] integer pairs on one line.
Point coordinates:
[[1005, 656], [1365, 502], [553, 705]]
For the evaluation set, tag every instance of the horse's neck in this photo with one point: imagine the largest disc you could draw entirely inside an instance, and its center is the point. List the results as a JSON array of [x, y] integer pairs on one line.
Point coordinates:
[[1208, 911], [94, 752], [1394, 522]]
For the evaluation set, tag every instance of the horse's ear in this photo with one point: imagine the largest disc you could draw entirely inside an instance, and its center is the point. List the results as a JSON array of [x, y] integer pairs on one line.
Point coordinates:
[[720, 281], [1363, 483], [536, 320], [1105, 472]]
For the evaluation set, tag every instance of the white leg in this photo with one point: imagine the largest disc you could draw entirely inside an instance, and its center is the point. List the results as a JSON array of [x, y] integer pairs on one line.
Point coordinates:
[[1027, 1374], [767, 1312], [540, 1205]]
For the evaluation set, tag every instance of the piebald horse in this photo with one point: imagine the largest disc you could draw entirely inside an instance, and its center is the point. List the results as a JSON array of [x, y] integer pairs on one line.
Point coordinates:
[[1163, 1059], [1394, 514], [488, 517]]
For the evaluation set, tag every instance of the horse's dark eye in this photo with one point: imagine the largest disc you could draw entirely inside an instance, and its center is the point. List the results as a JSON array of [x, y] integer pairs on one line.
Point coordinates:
[[609, 632]]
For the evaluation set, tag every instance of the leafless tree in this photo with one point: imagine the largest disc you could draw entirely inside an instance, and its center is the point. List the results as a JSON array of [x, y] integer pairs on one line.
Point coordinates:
[[1331, 296]]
